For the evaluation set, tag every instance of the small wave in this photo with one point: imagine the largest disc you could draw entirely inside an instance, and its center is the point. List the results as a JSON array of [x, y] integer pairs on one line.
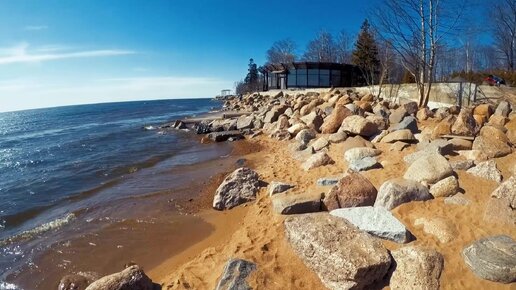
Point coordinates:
[[29, 234], [8, 286], [149, 128]]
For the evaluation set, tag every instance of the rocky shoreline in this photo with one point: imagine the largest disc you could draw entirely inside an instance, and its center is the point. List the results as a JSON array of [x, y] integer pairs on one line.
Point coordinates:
[[356, 192]]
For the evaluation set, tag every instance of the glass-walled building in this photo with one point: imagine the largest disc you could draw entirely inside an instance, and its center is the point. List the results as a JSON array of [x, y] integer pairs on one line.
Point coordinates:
[[311, 75]]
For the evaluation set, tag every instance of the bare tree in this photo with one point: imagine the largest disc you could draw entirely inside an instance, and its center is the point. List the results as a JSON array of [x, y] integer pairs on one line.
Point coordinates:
[[282, 51], [415, 28], [321, 49], [343, 47], [503, 15]]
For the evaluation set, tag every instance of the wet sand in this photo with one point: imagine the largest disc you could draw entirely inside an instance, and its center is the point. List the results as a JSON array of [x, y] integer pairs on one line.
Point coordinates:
[[259, 234]]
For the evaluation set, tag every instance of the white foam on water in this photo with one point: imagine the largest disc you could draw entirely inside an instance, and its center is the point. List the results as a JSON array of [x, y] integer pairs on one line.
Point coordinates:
[[8, 286], [29, 234]]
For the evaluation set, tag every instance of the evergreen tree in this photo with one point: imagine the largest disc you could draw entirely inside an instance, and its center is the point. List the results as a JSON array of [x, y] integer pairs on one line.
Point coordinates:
[[365, 54], [252, 74]]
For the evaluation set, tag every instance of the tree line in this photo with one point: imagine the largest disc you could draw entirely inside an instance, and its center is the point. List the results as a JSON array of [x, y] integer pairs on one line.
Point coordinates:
[[419, 41]]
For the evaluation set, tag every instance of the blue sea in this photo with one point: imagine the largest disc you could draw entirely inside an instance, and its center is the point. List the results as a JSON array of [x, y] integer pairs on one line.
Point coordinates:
[[66, 172]]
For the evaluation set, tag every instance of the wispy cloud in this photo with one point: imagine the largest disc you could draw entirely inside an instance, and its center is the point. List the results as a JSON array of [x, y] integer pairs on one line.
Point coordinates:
[[33, 93], [35, 27], [21, 54]]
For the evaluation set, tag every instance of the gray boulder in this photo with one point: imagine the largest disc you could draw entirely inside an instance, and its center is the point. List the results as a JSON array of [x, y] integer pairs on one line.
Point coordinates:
[[278, 187], [492, 258], [317, 160], [239, 187], [364, 164], [416, 268], [341, 255], [132, 278], [320, 144], [245, 122], [327, 181], [360, 152], [235, 274], [313, 120], [503, 109], [408, 123], [305, 135], [397, 115], [487, 170], [507, 190], [225, 135], [395, 192], [359, 126], [429, 168], [462, 164], [375, 220]]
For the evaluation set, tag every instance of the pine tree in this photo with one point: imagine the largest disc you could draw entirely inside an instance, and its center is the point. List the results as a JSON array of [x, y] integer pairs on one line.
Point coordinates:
[[365, 54], [252, 75]]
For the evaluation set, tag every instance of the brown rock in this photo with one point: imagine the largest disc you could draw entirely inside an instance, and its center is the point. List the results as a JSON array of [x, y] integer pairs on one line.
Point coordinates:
[[493, 132], [356, 141], [491, 147], [511, 131], [499, 211], [333, 122], [444, 127], [507, 191], [416, 268], [465, 124], [460, 144], [352, 190], [400, 135], [132, 278], [484, 110], [497, 120], [480, 120], [359, 125], [341, 255]]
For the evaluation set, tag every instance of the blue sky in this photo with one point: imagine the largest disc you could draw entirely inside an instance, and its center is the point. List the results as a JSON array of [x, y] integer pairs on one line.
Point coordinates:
[[74, 52]]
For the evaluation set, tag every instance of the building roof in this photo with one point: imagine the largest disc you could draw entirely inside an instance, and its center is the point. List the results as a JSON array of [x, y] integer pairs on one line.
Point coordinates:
[[283, 67]]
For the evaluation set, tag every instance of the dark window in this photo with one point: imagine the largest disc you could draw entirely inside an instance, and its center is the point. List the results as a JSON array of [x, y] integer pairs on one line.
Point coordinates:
[[335, 78], [313, 77], [301, 77], [324, 78], [292, 78]]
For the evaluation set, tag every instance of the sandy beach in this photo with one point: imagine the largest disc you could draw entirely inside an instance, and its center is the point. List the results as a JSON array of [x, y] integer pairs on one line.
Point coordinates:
[[254, 232]]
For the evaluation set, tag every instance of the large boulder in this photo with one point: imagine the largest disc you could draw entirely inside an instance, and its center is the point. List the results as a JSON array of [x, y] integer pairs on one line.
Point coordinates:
[[397, 115], [444, 127], [245, 122], [271, 116], [487, 170], [511, 131], [225, 135], [492, 147], [507, 190], [364, 164], [442, 229], [404, 135], [313, 120], [430, 168], [408, 123], [360, 152], [492, 258], [239, 187], [465, 124], [503, 109], [395, 192], [416, 268], [334, 120], [235, 274], [359, 126], [351, 191], [132, 278], [296, 203], [377, 221], [354, 142], [341, 255], [317, 160], [304, 136]]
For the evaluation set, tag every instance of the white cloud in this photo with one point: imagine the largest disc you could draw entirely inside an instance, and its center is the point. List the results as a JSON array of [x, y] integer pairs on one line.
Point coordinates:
[[21, 54], [35, 27]]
